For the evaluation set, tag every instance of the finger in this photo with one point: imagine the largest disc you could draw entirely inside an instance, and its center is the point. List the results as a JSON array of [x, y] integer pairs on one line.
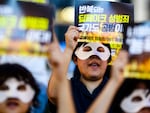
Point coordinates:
[[121, 58], [53, 48], [55, 39], [74, 34]]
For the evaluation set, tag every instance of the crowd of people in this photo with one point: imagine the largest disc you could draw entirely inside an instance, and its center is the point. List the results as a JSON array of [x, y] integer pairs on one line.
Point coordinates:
[[92, 89]]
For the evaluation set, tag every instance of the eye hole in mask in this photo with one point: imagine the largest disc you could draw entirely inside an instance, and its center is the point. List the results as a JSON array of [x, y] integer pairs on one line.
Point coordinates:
[[137, 99], [21, 88], [87, 48], [100, 49], [3, 87]]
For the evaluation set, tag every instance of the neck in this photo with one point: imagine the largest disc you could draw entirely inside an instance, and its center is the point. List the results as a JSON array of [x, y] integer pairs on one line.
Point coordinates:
[[91, 85]]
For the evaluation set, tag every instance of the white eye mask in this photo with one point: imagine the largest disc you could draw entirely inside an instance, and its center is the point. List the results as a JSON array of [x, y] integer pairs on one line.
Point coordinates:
[[130, 106], [83, 55], [13, 91]]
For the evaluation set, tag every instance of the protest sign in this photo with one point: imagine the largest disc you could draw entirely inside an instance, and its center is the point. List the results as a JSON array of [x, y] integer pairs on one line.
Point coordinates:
[[103, 21], [26, 28], [138, 45]]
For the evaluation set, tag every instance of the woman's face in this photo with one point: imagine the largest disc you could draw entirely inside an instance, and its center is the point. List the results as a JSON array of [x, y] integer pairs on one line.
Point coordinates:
[[138, 101], [15, 96]]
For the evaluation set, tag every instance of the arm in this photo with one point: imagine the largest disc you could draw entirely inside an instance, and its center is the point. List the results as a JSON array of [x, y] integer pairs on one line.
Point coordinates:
[[63, 91], [103, 101], [60, 61], [53, 63], [65, 100]]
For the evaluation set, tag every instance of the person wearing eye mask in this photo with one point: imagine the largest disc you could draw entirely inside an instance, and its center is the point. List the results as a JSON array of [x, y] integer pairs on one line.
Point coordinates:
[[91, 60], [18, 89], [127, 95], [135, 99]]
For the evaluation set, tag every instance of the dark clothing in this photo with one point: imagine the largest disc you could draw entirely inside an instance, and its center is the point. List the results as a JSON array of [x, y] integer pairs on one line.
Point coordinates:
[[82, 97]]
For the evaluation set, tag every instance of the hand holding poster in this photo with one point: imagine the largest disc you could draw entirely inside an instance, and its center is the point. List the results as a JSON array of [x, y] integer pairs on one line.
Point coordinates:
[[103, 21], [26, 28]]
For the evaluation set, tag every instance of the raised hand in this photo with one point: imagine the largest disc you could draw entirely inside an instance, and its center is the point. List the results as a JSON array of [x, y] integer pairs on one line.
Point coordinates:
[[118, 66], [71, 37]]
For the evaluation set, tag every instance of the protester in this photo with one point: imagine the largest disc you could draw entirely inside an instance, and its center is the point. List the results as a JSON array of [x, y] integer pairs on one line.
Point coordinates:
[[18, 89], [91, 59], [132, 97], [126, 96]]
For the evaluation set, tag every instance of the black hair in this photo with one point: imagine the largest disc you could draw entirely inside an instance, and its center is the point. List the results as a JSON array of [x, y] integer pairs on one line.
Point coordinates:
[[126, 89], [17, 71]]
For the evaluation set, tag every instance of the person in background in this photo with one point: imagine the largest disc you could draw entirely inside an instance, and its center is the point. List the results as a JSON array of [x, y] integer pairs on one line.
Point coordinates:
[[132, 97], [18, 89], [128, 95], [91, 59]]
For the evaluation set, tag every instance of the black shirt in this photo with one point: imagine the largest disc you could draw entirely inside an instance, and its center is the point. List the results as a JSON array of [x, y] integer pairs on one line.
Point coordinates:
[[81, 95]]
